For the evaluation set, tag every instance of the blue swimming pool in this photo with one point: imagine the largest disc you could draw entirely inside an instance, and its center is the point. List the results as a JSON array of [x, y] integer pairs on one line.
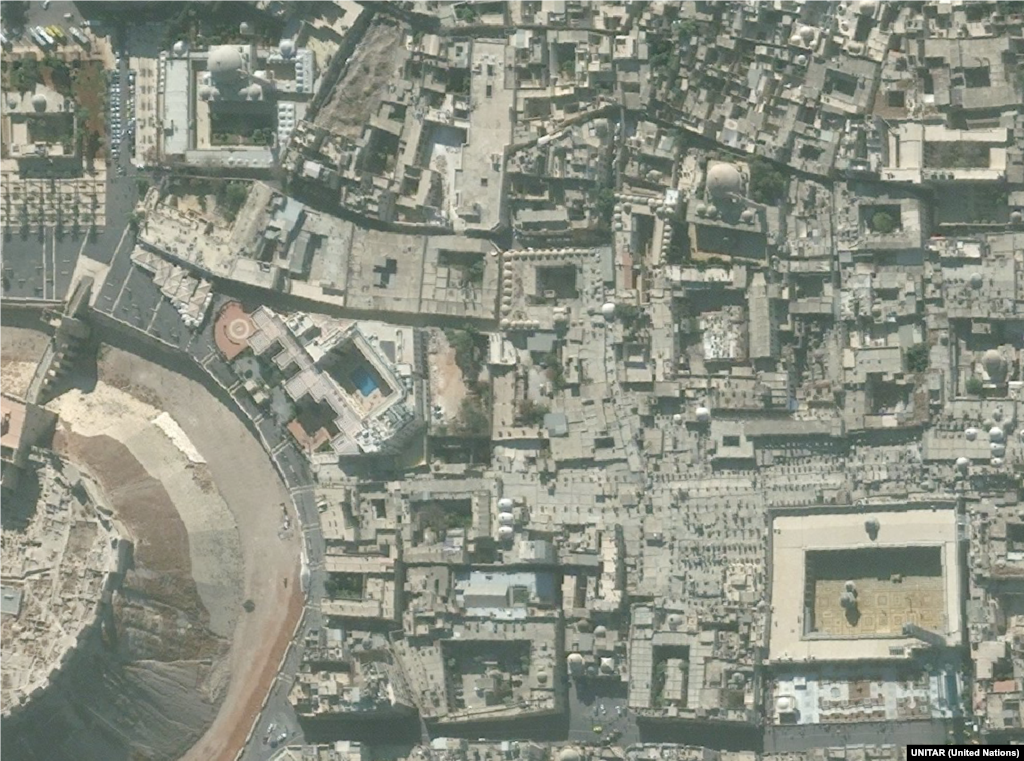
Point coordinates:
[[364, 381]]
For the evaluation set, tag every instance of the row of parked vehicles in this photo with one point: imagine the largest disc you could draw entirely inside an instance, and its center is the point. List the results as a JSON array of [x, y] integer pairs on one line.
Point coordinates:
[[49, 36]]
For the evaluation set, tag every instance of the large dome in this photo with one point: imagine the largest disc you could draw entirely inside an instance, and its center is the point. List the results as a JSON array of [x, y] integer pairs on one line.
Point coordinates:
[[724, 180], [994, 364], [225, 61]]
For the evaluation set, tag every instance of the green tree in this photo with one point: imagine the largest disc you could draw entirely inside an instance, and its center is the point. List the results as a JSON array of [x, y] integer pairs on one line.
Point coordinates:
[[917, 358], [767, 182], [882, 222], [467, 352], [474, 418], [531, 413], [974, 386], [604, 205], [476, 270]]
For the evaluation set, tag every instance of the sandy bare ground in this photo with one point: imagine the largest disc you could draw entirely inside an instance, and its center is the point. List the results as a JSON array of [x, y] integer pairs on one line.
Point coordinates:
[[21, 351], [252, 490], [447, 387], [377, 60]]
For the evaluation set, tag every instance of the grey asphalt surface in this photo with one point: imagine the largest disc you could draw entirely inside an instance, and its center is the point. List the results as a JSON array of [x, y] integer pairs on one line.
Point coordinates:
[[801, 738]]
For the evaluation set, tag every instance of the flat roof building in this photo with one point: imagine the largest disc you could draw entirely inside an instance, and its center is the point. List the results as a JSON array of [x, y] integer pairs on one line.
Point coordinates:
[[846, 585]]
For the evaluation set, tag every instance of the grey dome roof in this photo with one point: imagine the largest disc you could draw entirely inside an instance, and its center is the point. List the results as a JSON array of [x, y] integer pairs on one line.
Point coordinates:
[[724, 179], [286, 48], [993, 363], [39, 102], [225, 61]]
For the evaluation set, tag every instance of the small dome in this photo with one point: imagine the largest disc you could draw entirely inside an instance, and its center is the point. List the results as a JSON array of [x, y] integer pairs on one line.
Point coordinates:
[[807, 34], [505, 532], [607, 666], [800, 60], [180, 48], [39, 102], [253, 92], [286, 48], [569, 754], [971, 433], [608, 310], [724, 180], [703, 414], [996, 462], [785, 704], [675, 621], [506, 519], [995, 433], [866, 7], [977, 280], [795, 40], [677, 418], [208, 92], [962, 463], [245, 28], [542, 677], [505, 503], [225, 62], [600, 631], [997, 449], [748, 215], [712, 211], [584, 626], [994, 364], [701, 209], [1017, 217], [575, 660]]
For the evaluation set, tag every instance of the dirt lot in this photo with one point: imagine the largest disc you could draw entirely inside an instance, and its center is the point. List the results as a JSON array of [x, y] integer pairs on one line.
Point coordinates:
[[21, 351], [447, 387], [377, 60]]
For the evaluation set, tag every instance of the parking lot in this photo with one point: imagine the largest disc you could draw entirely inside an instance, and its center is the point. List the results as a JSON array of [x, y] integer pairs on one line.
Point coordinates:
[[47, 12]]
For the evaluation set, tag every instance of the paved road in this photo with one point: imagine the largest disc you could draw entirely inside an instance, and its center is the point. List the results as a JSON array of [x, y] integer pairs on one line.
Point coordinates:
[[591, 704]]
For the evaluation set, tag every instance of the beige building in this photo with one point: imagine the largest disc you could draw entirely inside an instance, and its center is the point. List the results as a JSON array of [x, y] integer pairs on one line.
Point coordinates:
[[847, 584]]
